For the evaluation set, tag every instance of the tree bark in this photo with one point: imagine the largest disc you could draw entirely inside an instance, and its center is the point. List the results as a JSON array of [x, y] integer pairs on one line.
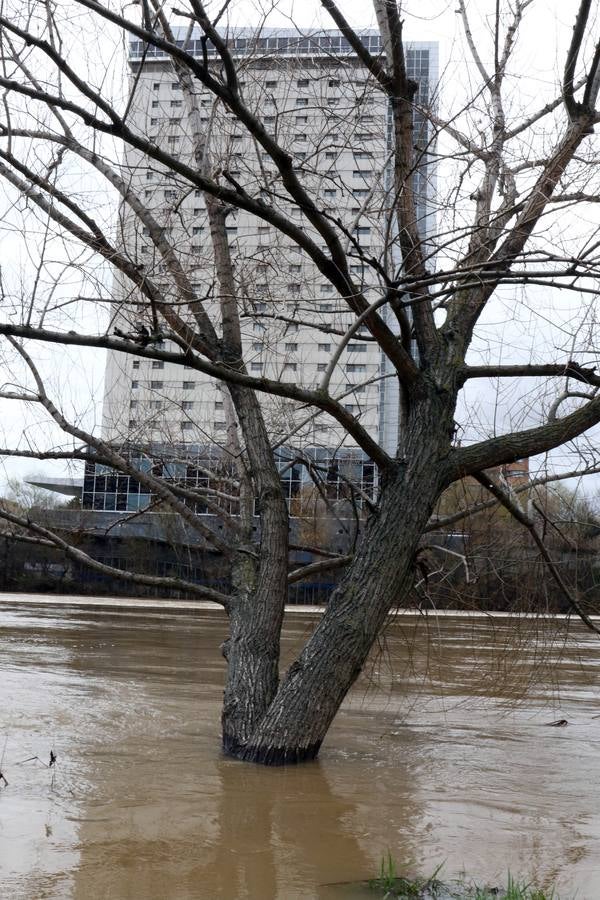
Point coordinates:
[[296, 721]]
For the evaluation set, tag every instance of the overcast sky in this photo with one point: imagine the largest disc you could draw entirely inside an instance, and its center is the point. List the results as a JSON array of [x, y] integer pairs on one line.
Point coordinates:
[[545, 33]]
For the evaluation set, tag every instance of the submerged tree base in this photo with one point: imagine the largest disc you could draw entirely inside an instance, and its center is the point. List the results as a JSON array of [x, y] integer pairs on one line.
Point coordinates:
[[270, 756]]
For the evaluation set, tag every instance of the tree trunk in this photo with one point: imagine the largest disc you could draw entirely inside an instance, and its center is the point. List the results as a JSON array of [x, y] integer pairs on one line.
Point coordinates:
[[296, 721]]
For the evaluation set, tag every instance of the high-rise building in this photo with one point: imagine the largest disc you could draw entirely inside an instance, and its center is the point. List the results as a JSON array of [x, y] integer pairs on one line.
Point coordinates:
[[313, 93]]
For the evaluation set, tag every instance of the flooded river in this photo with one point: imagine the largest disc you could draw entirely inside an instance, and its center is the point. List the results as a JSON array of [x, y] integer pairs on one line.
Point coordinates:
[[442, 754]]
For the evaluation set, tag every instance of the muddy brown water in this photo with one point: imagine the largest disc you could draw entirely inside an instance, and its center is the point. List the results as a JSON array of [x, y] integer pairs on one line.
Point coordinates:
[[440, 754]]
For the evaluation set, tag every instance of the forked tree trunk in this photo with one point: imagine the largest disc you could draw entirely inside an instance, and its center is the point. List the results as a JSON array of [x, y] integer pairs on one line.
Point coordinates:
[[296, 721]]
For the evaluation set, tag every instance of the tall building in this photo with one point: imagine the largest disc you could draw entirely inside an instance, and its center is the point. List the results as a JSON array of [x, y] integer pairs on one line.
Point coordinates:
[[315, 96]]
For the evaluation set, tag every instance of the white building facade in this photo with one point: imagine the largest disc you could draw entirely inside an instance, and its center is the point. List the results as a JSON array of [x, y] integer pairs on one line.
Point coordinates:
[[314, 95]]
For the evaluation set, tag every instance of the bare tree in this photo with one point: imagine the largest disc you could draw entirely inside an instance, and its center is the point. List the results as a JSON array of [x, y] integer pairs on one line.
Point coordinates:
[[419, 298]]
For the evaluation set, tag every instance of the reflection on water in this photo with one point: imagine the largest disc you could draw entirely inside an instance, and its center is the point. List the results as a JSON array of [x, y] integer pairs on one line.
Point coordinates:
[[441, 753]]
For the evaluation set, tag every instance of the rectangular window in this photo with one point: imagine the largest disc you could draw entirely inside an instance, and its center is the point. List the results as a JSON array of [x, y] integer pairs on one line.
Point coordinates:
[[291, 348], [324, 348], [327, 289], [156, 385], [301, 120], [334, 82], [187, 426], [155, 104], [321, 367], [219, 426], [257, 345], [187, 405], [293, 288], [301, 137], [330, 154], [357, 368], [302, 83], [156, 404], [156, 86], [197, 229], [170, 195], [135, 384], [175, 86], [301, 101], [219, 404], [270, 84], [330, 192], [290, 367], [153, 121], [362, 173], [356, 388], [135, 364], [255, 367], [158, 364], [175, 104], [325, 307], [357, 348], [189, 385]]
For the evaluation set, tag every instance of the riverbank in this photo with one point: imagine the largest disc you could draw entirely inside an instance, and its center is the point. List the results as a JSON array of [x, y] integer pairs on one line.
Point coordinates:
[[189, 607]]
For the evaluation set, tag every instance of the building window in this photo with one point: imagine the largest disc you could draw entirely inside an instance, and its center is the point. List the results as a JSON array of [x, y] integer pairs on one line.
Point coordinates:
[[187, 405], [301, 101], [324, 348], [135, 384], [291, 348], [197, 229], [330, 192], [293, 288], [189, 385], [290, 367], [155, 104], [258, 346], [175, 86], [187, 426], [321, 367], [156, 404], [301, 120], [327, 289], [363, 231], [302, 83], [357, 348], [356, 388], [175, 104], [256, 367], [158, 364], [156, 385], [270, 84], [357, 368], [330, 154], [334, 82], [135, 364], [219, 404], [156, 86], [362, 173]]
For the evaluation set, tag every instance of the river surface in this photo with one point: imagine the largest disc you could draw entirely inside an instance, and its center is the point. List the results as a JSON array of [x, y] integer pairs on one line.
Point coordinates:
[[442, 754]]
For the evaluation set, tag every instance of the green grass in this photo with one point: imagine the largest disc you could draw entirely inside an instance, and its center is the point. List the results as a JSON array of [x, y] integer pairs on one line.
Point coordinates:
[[390, 885]]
